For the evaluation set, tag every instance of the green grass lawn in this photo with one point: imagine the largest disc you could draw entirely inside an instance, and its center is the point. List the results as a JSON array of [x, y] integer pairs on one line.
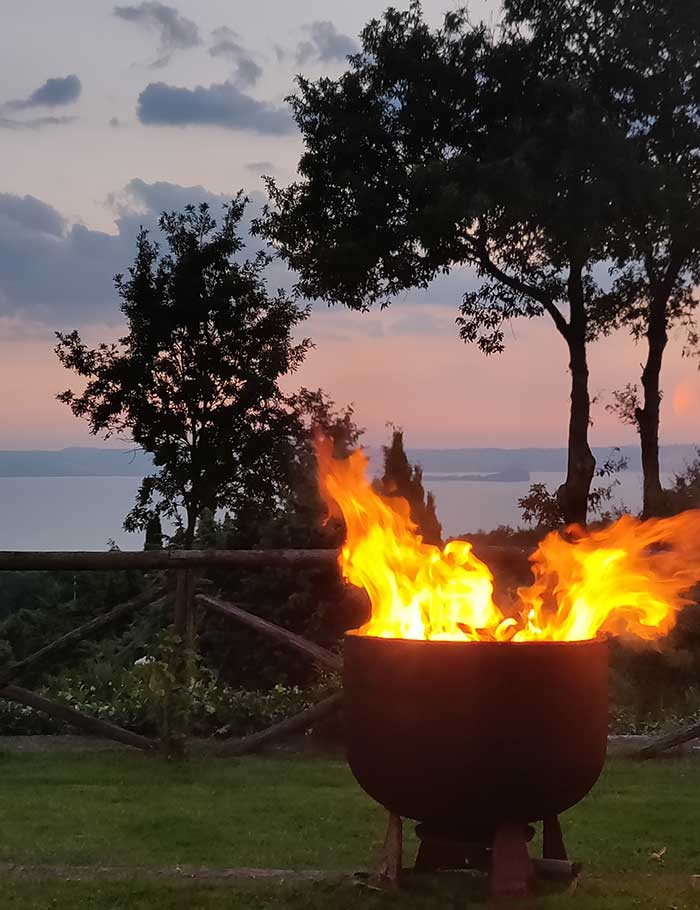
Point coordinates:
[[119, 809]]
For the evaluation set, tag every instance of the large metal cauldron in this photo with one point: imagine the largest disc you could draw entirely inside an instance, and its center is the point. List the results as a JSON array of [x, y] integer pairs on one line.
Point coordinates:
[[462, 734]]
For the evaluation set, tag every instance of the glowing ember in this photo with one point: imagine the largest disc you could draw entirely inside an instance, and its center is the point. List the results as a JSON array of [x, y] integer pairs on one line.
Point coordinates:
[[630, 577]]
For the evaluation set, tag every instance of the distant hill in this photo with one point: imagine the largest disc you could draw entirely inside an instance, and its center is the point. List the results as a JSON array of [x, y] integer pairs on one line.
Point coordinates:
[[75, 462], [509, 463], [511, 475], [453, 461]]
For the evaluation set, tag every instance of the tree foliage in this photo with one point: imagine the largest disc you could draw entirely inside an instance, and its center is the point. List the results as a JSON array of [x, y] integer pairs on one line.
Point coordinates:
[[685, 491], [639, 59], [195, 380], [401, 478], [440, 148], [314, 602], [537, 155], [540, 507]]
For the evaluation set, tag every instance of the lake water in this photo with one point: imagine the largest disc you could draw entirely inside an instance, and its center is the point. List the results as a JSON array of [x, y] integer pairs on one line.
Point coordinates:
[[83, 513], [479, 505]]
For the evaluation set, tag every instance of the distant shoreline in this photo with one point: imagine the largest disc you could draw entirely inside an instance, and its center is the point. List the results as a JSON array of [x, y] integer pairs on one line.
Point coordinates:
[[464, 465], [514, 475], [136, 476]]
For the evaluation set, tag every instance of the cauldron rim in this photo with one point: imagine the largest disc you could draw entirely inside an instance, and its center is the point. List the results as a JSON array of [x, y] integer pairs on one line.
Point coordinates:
[[598, 639]]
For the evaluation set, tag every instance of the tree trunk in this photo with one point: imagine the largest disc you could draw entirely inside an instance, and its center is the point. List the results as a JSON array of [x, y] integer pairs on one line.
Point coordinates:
[[648, 415], [190, 530], [572, 495]]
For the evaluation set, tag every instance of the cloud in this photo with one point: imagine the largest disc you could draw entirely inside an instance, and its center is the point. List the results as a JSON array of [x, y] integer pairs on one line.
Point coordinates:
[[421, 322], [375, 330], [34, 123], [139, 199], [31, 213], [324, 44], [222, 104], [226, 44], [444, 290], [261, 167], [57, 274], [175, 32], [54, 92], [18, 328]]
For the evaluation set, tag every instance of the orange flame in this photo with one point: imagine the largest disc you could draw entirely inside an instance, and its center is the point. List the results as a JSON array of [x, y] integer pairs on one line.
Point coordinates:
[[631, 577]]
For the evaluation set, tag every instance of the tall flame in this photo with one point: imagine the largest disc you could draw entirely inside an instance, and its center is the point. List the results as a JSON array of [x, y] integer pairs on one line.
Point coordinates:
[[631, 577]]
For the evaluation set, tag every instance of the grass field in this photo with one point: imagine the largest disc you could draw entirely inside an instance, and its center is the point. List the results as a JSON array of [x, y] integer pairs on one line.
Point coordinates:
[[118, 809]]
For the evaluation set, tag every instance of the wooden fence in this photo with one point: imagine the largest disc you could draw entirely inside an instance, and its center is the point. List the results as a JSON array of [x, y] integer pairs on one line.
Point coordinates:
[[188, 596], [183, 602]]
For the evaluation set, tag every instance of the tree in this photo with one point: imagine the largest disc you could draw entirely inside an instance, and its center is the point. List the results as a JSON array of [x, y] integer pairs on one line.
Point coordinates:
[[685, 492], [315, 601], [639, 58], [441, 148], [400, 478], [195, 380], [301, 519], [541, 509], [154, 534]]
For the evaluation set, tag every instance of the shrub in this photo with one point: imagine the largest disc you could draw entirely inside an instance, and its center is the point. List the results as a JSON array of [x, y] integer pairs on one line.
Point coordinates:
[[133, 699], [685, 492]]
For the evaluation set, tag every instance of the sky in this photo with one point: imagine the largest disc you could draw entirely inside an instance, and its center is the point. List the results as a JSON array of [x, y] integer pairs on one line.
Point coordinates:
[[112, 112]]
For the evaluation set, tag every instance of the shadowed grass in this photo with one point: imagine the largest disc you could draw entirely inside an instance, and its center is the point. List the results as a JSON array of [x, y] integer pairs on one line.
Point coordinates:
[[432, 893]]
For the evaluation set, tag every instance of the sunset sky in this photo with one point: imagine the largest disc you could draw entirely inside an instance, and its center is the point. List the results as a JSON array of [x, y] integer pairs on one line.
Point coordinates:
[[110, 113]]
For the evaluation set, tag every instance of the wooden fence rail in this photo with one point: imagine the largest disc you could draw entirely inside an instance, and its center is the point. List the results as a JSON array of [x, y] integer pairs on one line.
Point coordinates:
[[92, 725], [297, 642], [285, 728], [67, 641], [145, 560]]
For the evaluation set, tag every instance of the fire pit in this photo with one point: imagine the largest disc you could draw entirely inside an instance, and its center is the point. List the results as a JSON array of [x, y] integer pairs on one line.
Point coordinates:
[[475, 740], [459, 735], [476, 718]]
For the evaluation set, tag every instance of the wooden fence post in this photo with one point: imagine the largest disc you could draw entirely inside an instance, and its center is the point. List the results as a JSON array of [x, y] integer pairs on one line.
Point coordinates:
[[176, 706], [184, 608]]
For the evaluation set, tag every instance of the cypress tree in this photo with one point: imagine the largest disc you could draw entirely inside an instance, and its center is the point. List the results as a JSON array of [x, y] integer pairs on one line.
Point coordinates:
[[401, 478]]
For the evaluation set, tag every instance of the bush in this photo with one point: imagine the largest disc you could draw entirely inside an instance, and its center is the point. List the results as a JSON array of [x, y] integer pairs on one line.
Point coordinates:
[[540, 507], [685, 492], [133, 699], [655, 686], [625, 720]]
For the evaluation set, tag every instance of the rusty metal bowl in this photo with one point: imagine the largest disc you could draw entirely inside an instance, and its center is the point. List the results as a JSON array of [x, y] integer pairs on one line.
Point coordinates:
[[459, 734]]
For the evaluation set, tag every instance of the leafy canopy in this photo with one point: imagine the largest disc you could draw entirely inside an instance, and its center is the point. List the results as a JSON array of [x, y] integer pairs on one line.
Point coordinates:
[[439, 148], [639, 58], [195, 380]]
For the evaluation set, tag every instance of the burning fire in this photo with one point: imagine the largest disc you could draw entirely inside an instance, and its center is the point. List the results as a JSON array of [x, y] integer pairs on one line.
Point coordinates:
[[631, 577]]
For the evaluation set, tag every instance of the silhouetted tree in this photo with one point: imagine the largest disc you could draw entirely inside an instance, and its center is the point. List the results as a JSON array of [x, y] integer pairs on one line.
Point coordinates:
[[685, 492], [540, 508], [195, 380], [154, 534], [401, 478], [639, 59], [315, 601], [439, 148]]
